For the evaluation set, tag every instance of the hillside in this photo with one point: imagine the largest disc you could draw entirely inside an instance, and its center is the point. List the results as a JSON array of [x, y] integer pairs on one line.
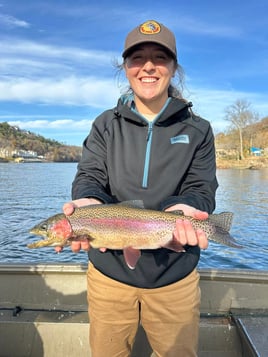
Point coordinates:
[[14, 141], [255, 136]]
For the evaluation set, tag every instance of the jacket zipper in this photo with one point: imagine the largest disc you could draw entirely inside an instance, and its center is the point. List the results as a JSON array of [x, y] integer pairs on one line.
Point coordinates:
[[149, 144], [147, 155]]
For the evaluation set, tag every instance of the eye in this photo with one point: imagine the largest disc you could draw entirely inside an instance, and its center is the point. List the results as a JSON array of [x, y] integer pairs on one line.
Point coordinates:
[[44, 226], [135, 56], [161, 56]]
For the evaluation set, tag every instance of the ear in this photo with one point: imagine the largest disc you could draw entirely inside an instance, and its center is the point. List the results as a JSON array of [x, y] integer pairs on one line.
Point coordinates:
[[175, 70], [125, 69]]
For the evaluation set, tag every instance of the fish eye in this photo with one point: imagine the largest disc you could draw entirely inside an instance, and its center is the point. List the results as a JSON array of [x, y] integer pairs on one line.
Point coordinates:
[[44, 226]]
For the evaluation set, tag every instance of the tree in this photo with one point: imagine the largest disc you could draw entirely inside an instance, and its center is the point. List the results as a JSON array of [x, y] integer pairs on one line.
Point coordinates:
[[240, 115]]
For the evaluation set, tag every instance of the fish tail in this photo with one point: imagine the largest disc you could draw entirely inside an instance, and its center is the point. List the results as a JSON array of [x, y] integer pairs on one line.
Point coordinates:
[[222, 220], [222, 223], [222, 236]]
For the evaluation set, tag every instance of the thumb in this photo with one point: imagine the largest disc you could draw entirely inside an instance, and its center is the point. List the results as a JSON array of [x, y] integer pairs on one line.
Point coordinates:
[[200, 215], [68, 208]]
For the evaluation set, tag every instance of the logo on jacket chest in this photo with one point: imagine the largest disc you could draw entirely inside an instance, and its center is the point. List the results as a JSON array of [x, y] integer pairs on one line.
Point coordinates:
[[180, 139]]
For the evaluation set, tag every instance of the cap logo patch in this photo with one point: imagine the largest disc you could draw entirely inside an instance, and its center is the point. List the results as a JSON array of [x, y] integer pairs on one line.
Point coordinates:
[[150, 28]]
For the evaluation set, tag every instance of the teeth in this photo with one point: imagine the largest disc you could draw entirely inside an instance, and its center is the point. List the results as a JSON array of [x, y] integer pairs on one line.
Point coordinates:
[[148, 80]]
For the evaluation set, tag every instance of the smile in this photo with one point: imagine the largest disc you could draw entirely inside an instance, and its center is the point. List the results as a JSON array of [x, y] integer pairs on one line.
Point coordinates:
[[148, 80]]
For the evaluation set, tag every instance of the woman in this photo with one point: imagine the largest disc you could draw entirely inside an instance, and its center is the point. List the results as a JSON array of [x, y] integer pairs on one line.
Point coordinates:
[[150, 147]]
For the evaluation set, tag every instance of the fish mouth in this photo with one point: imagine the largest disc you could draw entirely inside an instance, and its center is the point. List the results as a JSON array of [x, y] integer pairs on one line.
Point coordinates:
[[34, 232]]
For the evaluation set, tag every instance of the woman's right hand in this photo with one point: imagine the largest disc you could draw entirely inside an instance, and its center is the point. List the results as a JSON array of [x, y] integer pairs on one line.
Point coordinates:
[[68, 209]]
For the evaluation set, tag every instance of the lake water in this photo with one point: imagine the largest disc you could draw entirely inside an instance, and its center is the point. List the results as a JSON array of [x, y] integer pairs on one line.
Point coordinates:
[[32, 192]]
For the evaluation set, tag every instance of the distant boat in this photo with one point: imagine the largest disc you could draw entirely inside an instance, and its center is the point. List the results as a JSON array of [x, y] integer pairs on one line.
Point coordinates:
[[254, 167], [19, 160], [25, 160]]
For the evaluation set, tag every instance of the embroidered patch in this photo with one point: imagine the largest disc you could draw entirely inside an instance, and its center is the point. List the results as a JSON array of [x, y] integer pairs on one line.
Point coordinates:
[[150, 28], [180, 139]]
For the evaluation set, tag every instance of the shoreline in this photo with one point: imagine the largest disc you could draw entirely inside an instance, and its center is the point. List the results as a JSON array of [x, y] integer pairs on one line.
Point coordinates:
[[34, 161], [250, 163]]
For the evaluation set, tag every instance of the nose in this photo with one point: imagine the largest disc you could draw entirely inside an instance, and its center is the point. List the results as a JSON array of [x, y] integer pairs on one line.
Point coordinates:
[[148, 65]]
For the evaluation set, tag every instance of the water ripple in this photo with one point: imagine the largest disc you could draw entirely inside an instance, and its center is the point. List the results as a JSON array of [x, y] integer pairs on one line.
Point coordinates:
[[32, 192]]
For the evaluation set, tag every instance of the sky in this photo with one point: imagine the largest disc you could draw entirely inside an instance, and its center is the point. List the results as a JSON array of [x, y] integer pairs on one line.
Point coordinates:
[[57, 58]]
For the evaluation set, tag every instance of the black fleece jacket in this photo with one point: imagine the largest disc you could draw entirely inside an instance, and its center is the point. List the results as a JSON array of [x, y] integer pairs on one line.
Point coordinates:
[[170, 160]]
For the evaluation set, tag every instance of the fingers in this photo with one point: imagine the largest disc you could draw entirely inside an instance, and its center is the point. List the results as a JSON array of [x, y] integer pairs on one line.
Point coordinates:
[[188, 211], [58, 249], [68, 208], [202, 239], [185, 234], [200, 214], [180, 232], [78, 245]]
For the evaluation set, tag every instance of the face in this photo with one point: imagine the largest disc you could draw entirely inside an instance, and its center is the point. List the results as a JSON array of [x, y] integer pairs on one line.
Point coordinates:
[[149, 69]]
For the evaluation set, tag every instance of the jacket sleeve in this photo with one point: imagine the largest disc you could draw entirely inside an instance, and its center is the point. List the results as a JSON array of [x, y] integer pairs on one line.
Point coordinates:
[[91, 179], [200, 184]]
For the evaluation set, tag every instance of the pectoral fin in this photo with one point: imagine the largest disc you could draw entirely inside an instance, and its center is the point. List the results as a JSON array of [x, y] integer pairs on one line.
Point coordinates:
[[131, 256]]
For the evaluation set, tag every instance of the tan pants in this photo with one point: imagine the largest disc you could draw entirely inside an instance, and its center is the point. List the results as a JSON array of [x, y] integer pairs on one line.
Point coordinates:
[[169, 316]]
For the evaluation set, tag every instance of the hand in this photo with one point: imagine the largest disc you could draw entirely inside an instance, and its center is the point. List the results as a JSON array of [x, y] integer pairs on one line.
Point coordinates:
[[184, 232], [68, 209]]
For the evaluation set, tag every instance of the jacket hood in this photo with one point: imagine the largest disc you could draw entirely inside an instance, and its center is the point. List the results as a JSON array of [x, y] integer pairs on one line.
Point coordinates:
[[126, 108]]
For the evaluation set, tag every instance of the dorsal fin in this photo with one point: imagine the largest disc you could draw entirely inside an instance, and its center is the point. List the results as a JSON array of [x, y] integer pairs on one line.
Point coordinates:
[[177, 212], [132, 203]]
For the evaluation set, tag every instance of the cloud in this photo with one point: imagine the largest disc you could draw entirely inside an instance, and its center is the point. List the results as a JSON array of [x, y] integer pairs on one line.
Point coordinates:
[[69, 131], [211, 104], [40, 73], [85, 91], [11, 21], [73, 125], [31, 49], [29, 59]]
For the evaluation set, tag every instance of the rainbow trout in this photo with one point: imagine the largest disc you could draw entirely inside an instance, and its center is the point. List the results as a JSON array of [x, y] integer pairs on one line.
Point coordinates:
[[127, 226]]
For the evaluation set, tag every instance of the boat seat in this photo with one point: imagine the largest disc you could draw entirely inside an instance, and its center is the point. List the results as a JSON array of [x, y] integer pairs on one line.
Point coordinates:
[[253, 332]]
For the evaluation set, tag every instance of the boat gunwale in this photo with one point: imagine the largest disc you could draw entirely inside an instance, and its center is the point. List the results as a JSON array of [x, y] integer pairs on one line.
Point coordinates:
[[211, 274]]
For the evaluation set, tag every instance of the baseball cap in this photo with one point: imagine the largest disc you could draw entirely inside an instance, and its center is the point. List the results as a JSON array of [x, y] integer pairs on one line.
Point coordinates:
[[151, 31]]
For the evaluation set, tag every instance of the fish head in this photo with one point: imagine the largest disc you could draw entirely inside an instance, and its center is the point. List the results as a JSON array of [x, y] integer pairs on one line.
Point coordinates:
[[56, 230]]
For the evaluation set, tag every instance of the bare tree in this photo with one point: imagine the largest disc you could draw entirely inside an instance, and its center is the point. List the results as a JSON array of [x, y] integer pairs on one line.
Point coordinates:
[[240, 115]]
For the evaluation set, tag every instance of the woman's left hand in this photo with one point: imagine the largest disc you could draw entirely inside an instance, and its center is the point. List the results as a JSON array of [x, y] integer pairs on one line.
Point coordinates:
[[185, 232]]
